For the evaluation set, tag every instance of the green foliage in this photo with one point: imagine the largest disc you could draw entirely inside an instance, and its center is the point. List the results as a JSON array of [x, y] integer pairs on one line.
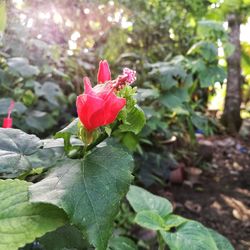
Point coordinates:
[[211, 75], [156, 36], [28, 76], [92, 183], [122, 243], [211, 30], [174, 221], [127, 92], [190, 235], [46, 157], [221, 242], [193, 235], [20, 66], [176, 56], [129, 140], [4, 104], [66, 237], [155, 213], [22, 222], [132, 119], [180, 80], [50, 91], [67, 132], [135, 120], [15, 147], [206, 49], [174, 99], [36, 103], [142, 200], [149, 220]]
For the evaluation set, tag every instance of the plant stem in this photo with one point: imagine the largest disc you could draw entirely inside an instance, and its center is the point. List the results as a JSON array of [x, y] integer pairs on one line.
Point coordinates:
[[160, 242], [102, 137]]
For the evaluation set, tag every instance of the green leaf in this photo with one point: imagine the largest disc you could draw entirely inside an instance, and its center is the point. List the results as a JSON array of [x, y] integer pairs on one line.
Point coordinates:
[[208, 29], [130, 140], [108, 130], [170, 101], [169, 73], [173, 220], [135, 121], [20, 221], [199, 121], [5, 103], [167, 82], [150, 220], [180, 110], [207, 50], [46, 157], [21, 66], [50, 91], [141, 200], [15, 147], [211, 75], [191, 235], [174, 98], [39, 121], [143, 94], [71, 129], [29, 98], [231, 6], [67, 132], [222, 243], [122, 243], [89, 191], [66, 237]]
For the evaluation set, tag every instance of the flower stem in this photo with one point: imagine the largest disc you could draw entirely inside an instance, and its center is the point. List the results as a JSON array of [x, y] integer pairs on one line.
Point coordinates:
[[102, 137]]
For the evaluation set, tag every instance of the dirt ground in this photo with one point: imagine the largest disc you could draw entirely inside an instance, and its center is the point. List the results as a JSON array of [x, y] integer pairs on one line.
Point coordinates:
[[219, 196]]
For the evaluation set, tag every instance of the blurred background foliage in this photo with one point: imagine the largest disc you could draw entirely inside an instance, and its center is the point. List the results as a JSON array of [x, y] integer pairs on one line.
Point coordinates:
[[178, 49]]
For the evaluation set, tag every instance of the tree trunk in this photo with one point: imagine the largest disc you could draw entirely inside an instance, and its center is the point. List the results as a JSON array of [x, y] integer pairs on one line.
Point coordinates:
[[231, 115]]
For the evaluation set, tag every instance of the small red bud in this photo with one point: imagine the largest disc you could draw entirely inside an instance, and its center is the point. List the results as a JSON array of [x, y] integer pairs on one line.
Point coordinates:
[[7, 122], [103, 72]]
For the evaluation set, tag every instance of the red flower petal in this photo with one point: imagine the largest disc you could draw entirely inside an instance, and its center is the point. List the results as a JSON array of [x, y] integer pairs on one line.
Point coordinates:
[[104, 73], [107, 115], [87, 85], [86, 106], [114, 107]]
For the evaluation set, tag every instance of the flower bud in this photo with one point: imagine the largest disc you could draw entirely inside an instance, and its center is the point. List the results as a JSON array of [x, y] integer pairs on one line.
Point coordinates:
[[103, 72], [98, 106], [7, 122]]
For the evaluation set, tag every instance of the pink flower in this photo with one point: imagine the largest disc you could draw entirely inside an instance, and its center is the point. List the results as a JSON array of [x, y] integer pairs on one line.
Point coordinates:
[[103, 72], [7, 122], [98, 106], [130, 75]]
